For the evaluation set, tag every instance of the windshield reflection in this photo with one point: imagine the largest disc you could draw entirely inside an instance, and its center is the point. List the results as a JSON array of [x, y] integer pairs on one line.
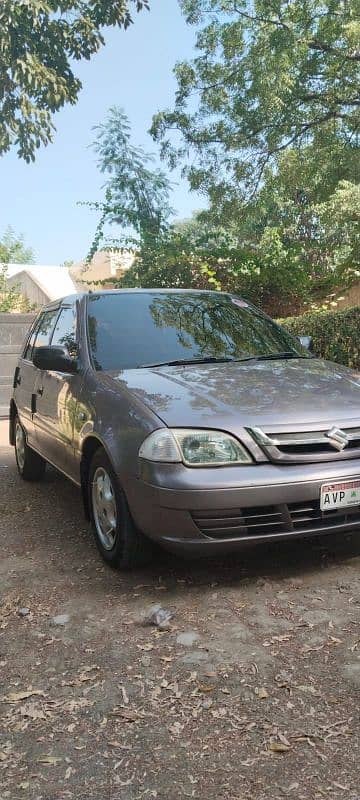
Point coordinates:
[[137, 328]]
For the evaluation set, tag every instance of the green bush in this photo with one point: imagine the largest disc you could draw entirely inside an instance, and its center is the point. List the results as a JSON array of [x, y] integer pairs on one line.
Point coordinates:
[[335, 334]]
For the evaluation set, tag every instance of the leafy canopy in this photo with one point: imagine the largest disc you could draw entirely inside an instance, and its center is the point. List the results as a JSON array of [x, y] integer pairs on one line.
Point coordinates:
[[40, 41], [136, 194], [267, 76], [13, 249], [11, 298]]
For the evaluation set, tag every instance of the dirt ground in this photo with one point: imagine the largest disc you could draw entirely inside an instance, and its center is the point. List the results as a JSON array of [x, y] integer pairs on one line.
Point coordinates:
[[252, 693]]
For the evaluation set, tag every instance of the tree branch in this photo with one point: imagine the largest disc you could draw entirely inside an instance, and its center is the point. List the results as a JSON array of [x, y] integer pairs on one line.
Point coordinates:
[[315, 44], [267, 20]]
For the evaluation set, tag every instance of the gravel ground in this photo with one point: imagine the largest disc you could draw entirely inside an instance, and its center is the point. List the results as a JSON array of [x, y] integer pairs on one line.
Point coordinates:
[[251, 693]]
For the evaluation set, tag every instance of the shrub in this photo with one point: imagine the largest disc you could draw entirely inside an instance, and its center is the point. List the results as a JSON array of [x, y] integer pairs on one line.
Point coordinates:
[[335, 334]]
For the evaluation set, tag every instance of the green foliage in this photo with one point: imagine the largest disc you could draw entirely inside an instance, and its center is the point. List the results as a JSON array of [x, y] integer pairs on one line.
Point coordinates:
[[335, 334], [198, 254], [269, 113], [10, 296], [40, 41], [313, 207], [339, 217], [267, 76], [13, 250], [136, 195]]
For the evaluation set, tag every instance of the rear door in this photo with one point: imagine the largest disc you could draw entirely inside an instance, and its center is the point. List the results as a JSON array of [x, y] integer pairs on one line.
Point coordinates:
[[57, 396], [25, 377]]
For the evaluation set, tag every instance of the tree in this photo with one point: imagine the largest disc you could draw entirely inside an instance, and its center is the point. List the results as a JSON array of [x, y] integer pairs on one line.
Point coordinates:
[[268, 76], [339, 217], [40, 41], [13, 250], [136, 195], [10, 296], [294, 242]]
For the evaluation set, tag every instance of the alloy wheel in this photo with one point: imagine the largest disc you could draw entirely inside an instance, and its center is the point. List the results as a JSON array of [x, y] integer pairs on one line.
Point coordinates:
[[104, 508], [20, 445]]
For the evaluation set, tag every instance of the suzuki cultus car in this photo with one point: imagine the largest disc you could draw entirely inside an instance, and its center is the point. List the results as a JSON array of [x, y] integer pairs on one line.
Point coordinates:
[[187, 418]]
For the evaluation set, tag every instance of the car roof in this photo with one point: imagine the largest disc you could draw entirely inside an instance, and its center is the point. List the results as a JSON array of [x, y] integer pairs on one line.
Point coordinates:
[[71, 298]]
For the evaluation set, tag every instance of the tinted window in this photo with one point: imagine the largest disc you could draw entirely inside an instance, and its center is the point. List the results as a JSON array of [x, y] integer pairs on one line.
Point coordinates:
[[30, 342], [44, 329], [65, 330], [135, 329]]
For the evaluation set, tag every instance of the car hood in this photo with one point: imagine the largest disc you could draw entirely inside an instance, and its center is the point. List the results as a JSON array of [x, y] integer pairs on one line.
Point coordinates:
[[289, 394]]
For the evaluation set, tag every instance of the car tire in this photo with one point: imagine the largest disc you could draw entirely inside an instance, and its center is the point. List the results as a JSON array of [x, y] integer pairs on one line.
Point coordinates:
[[118, 539], [30, 465]]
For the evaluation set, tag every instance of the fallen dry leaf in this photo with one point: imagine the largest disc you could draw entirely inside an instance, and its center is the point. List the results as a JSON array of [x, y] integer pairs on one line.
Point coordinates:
[[308, 689], [283, 739], [127, 714], [15, 697], [68, 773], [53, 760], [262, 693], [32, 711], [124, 694], [278, 747], [176, 728]]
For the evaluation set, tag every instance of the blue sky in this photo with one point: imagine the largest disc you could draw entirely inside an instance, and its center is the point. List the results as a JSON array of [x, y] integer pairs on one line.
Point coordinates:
[[134, 71]]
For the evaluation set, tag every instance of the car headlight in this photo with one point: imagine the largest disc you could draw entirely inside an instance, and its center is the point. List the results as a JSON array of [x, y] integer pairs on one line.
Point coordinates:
[[193, 448]]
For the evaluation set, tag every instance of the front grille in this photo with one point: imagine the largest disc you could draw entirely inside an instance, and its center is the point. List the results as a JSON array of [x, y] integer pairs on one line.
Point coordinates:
[[267, 520], [307, 446]]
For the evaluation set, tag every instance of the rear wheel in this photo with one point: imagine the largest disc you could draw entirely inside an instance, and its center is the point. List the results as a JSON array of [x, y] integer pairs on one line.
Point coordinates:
[[120, 543], [30, 465]]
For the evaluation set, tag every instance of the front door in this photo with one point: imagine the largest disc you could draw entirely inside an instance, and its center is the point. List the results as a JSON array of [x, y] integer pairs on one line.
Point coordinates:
[[57, 396], [26, 374]]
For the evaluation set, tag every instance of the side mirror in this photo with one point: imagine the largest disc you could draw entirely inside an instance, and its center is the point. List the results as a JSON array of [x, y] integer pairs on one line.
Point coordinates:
[[306, 342], [54, 359]]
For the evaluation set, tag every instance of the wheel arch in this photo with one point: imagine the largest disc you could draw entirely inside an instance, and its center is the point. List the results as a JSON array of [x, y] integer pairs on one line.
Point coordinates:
[[91, 444]]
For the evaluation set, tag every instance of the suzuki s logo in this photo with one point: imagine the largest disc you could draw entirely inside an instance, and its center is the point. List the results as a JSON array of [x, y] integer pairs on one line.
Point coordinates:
[[337, 438]]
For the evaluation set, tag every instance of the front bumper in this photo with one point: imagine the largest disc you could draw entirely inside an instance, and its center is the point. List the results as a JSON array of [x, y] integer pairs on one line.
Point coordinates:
[[204, 511]]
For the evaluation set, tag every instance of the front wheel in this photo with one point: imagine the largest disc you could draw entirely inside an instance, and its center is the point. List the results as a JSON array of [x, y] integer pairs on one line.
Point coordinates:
[[120, 543], [30, 465]]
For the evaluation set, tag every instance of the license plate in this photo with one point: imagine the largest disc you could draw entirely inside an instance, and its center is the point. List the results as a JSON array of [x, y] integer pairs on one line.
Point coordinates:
[[339, 495]]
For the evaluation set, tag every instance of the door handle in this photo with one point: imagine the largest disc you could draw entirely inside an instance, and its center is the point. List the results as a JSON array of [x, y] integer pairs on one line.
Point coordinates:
[[40, 391]]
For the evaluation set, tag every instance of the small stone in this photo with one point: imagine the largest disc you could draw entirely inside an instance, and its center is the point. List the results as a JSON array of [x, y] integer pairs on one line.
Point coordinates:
[[23, 612], [188, 638], [352, 673], [195, 657], [159, 617], [60, 619]]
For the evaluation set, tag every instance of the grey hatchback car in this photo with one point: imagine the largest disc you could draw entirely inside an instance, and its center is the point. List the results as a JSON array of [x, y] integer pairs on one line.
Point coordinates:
[[187, 418]]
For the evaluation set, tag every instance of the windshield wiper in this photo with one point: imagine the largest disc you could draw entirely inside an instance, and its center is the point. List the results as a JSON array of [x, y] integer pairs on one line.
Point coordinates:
[[276, 356], [221, 360], [183, 361]]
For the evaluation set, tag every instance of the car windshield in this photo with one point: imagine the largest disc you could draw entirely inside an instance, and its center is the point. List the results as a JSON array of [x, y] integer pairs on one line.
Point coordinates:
[[137, 329]]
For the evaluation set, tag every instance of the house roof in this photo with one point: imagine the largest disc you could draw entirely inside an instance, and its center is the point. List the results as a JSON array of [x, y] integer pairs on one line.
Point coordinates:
[[55, 282]]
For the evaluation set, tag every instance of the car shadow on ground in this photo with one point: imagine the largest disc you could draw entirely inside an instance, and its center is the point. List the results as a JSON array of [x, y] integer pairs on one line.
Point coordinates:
[[274, 561]]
